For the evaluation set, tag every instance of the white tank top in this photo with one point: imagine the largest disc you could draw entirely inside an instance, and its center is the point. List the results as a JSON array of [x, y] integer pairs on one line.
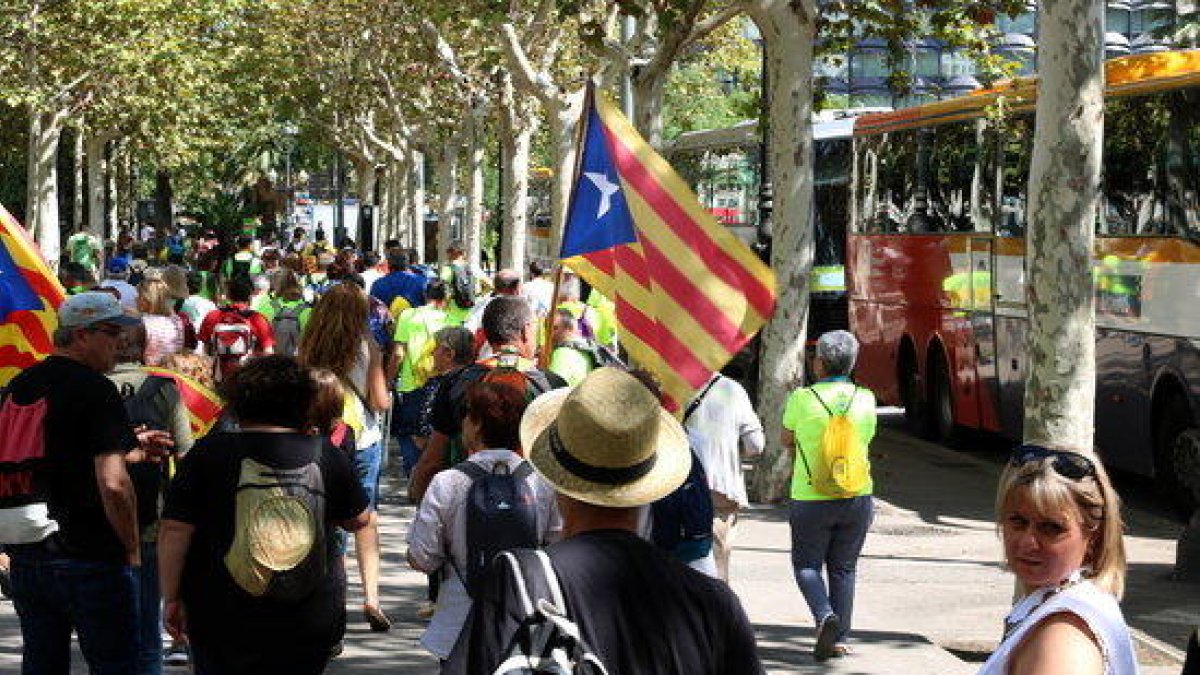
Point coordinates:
[[1099, 611]]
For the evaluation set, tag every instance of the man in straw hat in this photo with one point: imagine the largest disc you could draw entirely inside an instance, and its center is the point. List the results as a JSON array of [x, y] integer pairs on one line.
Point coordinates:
[[609, 448]]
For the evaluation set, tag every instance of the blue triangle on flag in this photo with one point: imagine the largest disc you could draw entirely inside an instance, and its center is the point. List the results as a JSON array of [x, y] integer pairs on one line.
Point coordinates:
[[599, 217], [15, 292]]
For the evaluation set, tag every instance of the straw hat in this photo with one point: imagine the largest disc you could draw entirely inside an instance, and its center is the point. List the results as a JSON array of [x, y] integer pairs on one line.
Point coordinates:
[[606, 442]]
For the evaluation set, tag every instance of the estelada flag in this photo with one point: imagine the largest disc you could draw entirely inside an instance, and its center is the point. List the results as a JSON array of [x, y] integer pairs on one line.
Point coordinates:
[[203, 405], [29, 298], [688, 293]]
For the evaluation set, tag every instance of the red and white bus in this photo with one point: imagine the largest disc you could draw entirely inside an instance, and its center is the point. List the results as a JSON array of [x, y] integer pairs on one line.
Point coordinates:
[[936, 266]]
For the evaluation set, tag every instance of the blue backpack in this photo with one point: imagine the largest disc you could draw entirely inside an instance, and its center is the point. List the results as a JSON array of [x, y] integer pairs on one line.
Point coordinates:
[[681, 522], [501, 515]]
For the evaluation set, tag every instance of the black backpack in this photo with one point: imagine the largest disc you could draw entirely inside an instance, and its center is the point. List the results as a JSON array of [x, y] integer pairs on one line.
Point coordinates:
[[150, 405], [462, 286], [501, 514], [547, 641]]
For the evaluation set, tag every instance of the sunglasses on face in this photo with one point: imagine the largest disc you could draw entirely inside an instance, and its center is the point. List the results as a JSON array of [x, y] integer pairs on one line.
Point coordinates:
[[1067, 464]]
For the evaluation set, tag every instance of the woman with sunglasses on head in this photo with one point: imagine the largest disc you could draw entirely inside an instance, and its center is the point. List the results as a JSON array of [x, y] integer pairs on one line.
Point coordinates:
[[1060, 521]]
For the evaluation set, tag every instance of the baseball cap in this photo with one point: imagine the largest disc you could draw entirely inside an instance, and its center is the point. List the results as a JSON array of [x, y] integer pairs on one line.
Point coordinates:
[[93, 307], [117, 265]]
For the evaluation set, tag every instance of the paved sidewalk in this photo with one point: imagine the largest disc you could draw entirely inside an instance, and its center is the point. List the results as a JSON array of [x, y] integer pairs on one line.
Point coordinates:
[[929, 580]]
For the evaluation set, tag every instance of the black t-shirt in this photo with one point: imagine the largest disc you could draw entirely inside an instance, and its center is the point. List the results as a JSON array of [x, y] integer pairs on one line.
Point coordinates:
[[641, 611], [203, 495], [449, 403], [85, 418]]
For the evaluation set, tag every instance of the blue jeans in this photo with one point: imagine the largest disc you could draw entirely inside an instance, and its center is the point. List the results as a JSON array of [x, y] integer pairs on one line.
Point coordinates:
[[54, 594], [150, 648], [367, 463], [406, 416], [829, 533]]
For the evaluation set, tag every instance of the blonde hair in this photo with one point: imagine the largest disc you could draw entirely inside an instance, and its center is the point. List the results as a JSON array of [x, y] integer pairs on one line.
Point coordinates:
[[335, 329], [1091, 500], [154, 297]]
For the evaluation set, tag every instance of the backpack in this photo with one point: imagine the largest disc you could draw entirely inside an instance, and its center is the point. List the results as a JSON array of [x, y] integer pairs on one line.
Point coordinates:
[[507, 371], [501, 514], [23, 428], [286, 326], [682, 521], [175, 246], [843, 470], [547, 641], [150, 404], [239, 267], [462, 286], [233, 340], [278, 549]]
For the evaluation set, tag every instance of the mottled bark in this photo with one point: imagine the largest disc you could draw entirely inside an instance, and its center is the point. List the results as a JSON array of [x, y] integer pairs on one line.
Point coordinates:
[[649, 86], [417, 201], [41, 210], [77, 189], [788, 28], [473, 227], [97, 183], [447, 193], [1064, 180]]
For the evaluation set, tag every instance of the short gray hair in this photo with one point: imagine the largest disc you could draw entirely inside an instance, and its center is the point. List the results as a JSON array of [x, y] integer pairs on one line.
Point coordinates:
[[459, 341], [837, 350]]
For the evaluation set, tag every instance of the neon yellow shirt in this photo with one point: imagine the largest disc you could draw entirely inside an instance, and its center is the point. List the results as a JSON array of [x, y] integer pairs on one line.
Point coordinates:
[[806, 418], [414, 328], [570, 364]]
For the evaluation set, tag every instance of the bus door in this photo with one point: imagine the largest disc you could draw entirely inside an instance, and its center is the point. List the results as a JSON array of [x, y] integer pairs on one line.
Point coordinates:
[[983, 330]]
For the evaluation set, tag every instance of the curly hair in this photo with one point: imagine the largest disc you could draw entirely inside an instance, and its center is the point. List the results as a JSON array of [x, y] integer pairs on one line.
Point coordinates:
[[154, 297], [335, 329]]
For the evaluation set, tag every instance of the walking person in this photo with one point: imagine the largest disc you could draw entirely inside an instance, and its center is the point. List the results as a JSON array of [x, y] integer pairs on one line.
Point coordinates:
[[452, 533], [337, 338], [68, 516], [413, 359], [249, 572], [1060, 521], [608, 448], [829, 523], [724, 429]]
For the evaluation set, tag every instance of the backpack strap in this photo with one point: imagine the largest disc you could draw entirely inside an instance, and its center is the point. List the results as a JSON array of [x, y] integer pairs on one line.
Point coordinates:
[[700, 397], [826, 407], [536, 580], [473, 470]]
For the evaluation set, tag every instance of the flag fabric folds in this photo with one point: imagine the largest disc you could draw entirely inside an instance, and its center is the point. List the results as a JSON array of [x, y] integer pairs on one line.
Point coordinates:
[[203, 405], [688, 293], [29, 298]]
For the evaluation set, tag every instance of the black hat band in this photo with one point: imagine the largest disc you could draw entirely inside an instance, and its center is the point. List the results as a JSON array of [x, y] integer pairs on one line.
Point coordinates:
[[597, 474]]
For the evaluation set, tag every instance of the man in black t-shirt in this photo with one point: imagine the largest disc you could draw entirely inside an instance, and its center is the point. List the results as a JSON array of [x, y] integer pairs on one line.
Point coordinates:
[[75, 568], [511, 330], [608, 448]]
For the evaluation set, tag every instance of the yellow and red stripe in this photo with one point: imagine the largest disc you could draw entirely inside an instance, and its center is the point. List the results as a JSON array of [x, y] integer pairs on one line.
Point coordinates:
[[26, 333], [688, 293], [203, 405]]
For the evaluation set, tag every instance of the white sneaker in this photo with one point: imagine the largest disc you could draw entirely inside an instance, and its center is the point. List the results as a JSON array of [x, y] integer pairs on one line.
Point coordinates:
[[176, 655]]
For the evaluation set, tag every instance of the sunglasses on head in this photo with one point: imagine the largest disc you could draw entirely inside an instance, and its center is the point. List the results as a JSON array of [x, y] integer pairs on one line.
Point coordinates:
[[106, 328], [1067, 464]]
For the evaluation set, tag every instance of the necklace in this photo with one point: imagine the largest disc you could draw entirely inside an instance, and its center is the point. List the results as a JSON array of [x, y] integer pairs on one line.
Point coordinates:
[[1011, 624]]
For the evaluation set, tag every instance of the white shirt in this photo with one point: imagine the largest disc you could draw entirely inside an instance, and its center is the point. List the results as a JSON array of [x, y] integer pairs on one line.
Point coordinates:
[[196, 307], [369, 277], [1099, 611], [439, 531], [720, 429], [539, 291]]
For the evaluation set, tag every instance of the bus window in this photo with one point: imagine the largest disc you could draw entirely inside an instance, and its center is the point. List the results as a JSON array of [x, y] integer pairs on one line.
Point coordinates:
[[959, 192], [1016, 143], [1132, 201], [893, 183], [1181, 159]]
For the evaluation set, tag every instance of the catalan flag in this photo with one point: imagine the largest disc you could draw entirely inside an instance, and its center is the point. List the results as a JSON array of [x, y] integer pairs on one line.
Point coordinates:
[[203, 405], [689, 294], [29, 298]]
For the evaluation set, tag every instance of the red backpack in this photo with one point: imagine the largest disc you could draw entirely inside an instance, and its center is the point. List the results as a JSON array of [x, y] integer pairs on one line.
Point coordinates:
[[233, 341]]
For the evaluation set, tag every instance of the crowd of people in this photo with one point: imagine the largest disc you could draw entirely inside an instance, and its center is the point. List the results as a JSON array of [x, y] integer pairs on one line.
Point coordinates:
[[563, 513]]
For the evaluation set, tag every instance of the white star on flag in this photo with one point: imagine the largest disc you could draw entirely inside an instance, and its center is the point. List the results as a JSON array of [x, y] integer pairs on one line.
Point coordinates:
[[607, 189]]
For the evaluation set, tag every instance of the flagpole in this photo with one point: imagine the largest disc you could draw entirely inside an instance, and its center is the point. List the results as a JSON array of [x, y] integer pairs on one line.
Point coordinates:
[[580, 135]]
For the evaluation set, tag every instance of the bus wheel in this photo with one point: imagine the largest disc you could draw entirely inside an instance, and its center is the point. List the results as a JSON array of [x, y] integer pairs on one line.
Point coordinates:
[[941, 402], [1177, 456], [912, 398]]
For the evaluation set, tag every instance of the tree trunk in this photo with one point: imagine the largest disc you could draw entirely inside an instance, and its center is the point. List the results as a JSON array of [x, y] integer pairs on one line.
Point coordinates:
[[417, 203], [77, 188], [447, 194], [1064, 179], [164, 198], [97, 184], [516, 142], [563, 127], [788, 29], [648, 90], [473, 227], [45, 132]]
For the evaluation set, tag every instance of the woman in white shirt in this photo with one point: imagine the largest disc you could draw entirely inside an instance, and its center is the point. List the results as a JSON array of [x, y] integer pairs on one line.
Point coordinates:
[[1060, 521]]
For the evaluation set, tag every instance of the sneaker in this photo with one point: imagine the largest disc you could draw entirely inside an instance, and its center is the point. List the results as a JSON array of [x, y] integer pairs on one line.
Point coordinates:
[[827, 634], [176, 655], [426, 610], [5, 583]]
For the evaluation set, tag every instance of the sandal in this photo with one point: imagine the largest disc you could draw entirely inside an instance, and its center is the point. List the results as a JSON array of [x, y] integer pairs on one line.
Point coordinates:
[[379, 621], [827, 631]]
